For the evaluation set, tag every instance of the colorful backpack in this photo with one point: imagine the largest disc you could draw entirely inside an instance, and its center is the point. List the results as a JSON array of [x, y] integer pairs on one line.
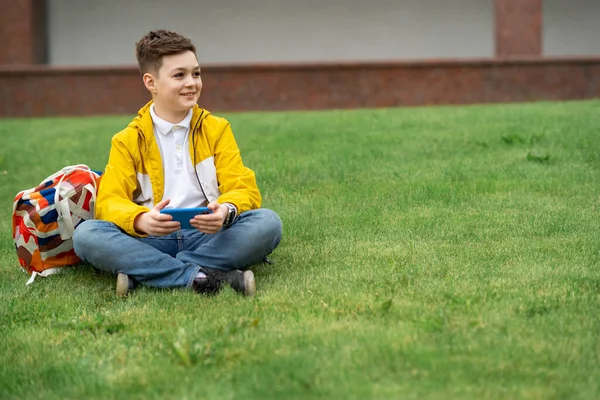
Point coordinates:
[[45, 217]]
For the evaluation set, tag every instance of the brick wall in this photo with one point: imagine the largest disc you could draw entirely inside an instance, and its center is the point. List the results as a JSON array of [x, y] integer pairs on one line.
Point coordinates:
[[22, 28], [42, 91], [518, 28]]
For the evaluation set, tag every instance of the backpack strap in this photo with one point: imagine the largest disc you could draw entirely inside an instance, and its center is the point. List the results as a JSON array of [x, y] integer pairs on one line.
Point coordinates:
[[64, 220], [44, 273]]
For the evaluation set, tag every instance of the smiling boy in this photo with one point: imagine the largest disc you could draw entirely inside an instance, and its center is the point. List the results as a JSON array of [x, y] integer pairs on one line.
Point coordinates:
[[177, 154]]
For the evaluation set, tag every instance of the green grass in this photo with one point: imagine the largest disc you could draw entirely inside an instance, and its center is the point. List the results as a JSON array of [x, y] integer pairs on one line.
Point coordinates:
[[428, 253]]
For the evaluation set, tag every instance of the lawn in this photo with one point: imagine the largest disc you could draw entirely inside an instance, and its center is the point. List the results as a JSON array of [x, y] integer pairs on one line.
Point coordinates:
[[428, 253]]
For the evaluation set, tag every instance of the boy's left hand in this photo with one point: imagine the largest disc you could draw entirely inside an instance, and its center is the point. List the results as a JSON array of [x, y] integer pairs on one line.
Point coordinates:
[[211, 223]]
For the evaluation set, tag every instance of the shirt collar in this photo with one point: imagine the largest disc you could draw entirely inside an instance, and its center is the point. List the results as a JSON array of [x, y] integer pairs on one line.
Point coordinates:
[[165, 127]]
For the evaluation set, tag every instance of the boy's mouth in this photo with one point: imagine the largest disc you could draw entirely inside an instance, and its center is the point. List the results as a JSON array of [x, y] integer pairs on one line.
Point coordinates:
[[188, 94]]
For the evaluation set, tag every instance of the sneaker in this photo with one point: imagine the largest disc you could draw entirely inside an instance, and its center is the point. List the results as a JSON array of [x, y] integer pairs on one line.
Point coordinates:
[[268, 261], [240, 281], [124, 285]]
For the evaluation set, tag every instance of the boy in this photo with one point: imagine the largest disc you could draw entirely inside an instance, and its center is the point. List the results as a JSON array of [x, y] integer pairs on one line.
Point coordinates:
[[177, 154]]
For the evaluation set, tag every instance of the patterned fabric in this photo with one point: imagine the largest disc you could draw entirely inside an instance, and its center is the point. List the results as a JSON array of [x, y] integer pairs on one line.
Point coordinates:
[[45, 217]]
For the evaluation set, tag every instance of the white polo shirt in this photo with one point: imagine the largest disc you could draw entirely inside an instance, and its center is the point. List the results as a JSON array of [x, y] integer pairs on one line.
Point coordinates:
[[181, 182]]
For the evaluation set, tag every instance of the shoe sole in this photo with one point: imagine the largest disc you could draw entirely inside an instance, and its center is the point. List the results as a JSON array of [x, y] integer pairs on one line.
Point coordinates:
[[249, 283], [122, 285]]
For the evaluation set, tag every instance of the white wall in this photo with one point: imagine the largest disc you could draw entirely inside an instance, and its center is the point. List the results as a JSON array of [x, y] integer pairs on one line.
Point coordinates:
[[571, 27], [87, 32]]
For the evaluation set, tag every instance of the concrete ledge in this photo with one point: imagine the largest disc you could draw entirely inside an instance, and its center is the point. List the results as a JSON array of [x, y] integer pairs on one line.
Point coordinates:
[[47, 91]]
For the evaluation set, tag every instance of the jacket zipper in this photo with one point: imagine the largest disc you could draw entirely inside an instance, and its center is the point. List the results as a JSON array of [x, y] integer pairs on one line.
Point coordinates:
[[193, 133]]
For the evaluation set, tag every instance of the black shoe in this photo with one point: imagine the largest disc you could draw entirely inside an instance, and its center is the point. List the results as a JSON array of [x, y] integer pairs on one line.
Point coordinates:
[[125, 285], [240, 281], [268, 261]]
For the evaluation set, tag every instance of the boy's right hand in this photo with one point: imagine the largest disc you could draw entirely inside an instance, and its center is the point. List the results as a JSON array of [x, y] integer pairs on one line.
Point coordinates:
[[154, 223]]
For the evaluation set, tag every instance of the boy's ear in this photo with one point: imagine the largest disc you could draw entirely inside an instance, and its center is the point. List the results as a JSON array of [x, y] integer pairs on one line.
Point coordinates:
[[149, 82]]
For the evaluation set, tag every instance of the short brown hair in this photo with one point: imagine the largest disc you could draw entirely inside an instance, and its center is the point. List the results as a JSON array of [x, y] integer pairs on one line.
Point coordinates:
[[151, 48]]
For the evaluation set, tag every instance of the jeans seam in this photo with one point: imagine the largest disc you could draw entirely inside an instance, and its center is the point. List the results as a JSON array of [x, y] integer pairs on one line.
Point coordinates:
[[193, 276]]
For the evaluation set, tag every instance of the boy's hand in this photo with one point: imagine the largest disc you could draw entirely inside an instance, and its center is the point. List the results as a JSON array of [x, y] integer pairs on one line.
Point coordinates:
[[211, 223], [154, 223]]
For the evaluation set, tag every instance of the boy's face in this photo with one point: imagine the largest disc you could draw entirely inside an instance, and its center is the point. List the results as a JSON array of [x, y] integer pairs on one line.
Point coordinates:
[[177, 86]]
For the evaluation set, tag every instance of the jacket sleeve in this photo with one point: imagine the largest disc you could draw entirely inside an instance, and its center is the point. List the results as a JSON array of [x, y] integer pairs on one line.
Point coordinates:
[[237, 183], [115, 194]]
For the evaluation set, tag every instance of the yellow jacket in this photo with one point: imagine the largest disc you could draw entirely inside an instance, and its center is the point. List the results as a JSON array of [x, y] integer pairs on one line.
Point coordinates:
[[134, 181]]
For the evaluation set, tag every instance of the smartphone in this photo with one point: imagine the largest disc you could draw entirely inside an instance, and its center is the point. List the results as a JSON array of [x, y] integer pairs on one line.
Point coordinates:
[[183, 215]]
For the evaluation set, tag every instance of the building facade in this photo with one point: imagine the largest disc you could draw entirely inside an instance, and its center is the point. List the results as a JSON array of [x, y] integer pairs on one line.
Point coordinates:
[[66, 57]]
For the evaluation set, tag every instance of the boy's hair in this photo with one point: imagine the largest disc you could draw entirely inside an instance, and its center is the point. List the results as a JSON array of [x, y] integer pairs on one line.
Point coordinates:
[[151, 48]]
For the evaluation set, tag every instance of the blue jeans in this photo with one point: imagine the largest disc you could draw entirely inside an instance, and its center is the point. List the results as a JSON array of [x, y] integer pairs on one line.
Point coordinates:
[[174, 260]]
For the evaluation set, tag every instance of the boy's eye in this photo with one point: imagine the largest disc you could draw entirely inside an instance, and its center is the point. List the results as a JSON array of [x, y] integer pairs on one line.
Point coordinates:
[[197, 73], [179, 75]]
